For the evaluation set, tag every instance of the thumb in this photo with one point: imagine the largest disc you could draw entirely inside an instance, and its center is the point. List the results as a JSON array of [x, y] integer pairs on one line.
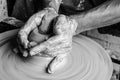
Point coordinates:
[[61, 24], [47, 21], [65, 25]]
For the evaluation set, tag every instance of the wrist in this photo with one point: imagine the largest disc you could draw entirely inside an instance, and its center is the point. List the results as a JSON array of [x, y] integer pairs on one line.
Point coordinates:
[[73, 24], [79, 19], [53, 4]]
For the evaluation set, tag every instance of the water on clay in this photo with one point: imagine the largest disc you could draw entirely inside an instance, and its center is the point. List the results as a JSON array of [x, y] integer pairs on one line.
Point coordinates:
[[87, 61]]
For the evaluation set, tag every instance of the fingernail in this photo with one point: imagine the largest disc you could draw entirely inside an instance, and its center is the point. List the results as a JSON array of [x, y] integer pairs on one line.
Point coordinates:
[[25, 55], [31, 53], [49, 71], [33, 44]]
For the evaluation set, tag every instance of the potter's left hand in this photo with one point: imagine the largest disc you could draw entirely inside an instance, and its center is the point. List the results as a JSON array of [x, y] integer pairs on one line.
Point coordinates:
[[58, 46]]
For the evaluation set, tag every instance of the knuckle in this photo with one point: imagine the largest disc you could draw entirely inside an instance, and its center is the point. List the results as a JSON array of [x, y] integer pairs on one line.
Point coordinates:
[[73, 25], [62, 19], [62, 16], [20, 32], [37, 20]]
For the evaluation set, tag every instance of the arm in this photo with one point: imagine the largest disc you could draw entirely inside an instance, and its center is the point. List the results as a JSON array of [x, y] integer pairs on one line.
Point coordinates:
[[103, 15]]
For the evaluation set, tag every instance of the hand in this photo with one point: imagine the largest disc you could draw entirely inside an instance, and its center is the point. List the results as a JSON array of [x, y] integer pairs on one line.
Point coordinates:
[[59, 45], [41, 19]]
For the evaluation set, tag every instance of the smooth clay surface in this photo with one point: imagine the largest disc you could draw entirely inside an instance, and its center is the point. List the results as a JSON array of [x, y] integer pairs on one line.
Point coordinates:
[[87, 61]]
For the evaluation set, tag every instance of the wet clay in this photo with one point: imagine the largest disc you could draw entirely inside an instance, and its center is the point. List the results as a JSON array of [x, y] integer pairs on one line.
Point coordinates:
[[35, 36], [87, 61]]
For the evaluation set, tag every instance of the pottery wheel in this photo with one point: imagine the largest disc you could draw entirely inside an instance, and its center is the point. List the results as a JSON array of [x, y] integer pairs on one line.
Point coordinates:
[[87, 61]]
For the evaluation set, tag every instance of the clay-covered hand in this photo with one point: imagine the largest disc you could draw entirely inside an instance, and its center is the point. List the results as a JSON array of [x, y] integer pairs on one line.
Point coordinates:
[[41, 20], [59, 45]]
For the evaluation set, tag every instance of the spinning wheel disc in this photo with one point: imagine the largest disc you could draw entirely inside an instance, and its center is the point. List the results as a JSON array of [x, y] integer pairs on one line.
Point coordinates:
[[87, 61]]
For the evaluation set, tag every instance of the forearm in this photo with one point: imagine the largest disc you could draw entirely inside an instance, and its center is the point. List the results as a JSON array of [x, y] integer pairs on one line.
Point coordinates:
[[103, 15]]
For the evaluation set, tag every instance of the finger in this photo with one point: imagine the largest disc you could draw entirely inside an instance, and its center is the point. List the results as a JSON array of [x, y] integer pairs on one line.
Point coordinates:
[[56, 52], [60, 24], [22, 39], [56, 40], [25, 53], [51, 52], [47, 20], [59, 45], [43, 46], [32, 44], [50, 45], [39, 48], [54, 63], [22, 50], [32, 23]]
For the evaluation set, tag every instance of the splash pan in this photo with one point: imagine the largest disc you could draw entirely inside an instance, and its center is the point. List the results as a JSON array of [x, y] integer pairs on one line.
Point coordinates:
[[87, 61]]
